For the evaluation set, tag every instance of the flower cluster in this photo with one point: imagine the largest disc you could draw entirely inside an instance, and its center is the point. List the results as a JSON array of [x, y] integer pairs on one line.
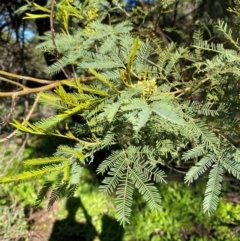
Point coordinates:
[[150, 86], [92, 14]]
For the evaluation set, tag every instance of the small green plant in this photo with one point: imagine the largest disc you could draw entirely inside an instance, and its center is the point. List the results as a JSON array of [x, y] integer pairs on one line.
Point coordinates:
[[16, 199], [179, 219], [13, 223]]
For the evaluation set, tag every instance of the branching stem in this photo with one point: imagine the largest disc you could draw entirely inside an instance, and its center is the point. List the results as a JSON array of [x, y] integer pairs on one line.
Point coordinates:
[[57, 54], [49, 84], [26, 119]]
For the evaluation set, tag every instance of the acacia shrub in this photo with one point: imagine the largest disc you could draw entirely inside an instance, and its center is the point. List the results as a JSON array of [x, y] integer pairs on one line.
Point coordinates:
[[135, 93]]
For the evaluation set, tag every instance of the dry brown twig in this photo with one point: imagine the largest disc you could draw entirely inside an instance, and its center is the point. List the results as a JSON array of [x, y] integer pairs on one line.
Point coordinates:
[[7, 118]]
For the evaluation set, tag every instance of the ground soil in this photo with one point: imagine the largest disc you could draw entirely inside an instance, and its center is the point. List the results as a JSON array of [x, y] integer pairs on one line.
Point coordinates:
[[42, 222]]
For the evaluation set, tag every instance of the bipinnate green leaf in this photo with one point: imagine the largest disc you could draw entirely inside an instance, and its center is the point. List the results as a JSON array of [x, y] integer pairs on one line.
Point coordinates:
[[199, 168], [124, 199], [109, 162], [43, 192], [147, 189], [44, 161], [213, 189], [142, 118], [110, 183], [31, 174], [231, 166], [166, 111]]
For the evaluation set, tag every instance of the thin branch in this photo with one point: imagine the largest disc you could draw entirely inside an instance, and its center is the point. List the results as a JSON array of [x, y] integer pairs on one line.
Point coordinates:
[[158, 30], [12, 82], [57, 54], [20, 77], [176, 170], [190, 90], [119, 7], [187, 89], [6, 119], [25, 90], [26, 119]]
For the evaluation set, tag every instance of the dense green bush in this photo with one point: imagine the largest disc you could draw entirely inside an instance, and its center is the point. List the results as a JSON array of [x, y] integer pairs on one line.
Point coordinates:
[[153, 101]]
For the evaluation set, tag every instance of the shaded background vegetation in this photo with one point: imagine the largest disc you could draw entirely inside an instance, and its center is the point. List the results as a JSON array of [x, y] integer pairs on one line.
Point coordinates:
[[91, 216]]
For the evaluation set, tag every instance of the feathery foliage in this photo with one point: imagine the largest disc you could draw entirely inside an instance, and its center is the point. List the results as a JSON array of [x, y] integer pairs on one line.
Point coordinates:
[[142, 106]]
